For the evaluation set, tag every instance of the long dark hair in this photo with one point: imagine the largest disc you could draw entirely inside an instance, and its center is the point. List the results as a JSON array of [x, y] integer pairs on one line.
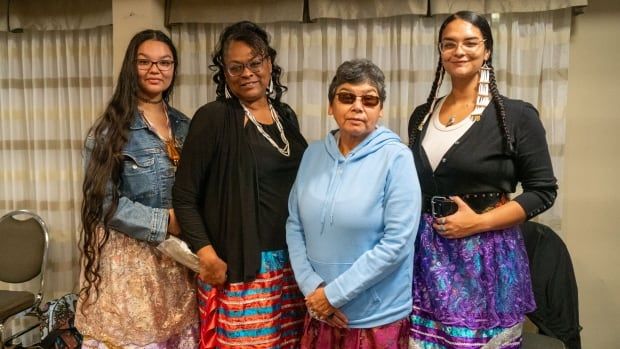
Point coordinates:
[[110, 134], [256, 38], [483, 25]]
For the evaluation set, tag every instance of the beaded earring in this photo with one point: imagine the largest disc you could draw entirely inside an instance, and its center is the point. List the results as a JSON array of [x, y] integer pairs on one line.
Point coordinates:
[[484, 96]]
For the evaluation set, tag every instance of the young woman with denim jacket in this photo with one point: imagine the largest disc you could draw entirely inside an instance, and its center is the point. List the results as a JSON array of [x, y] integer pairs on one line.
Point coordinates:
[[131, 295]]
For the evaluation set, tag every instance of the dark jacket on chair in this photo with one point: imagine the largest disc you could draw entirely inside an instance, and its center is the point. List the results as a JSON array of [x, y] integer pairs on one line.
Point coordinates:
[[554, 285]]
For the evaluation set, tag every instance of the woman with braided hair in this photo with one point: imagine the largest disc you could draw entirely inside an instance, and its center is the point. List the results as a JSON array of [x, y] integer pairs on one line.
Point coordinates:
[[471, 277]]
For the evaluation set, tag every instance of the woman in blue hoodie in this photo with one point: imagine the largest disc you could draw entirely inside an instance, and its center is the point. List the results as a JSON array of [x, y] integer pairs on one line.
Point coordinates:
[[353, 216]]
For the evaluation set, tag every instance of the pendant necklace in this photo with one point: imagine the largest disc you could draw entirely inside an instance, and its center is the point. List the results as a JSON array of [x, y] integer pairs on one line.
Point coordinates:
[[171, 146], [451, 120]]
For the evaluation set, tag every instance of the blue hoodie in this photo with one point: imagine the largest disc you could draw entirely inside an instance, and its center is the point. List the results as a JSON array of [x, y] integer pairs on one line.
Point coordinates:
[[352, 224]]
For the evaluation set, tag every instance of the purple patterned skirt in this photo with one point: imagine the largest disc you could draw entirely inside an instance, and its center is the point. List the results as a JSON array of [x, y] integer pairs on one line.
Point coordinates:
[[481, 282]]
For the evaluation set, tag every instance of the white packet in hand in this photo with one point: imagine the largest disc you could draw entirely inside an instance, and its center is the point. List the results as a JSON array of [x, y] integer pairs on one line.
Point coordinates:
[[178, 250]]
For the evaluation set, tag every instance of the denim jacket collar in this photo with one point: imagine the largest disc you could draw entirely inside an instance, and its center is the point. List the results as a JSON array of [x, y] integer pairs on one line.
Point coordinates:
[[175, 120]]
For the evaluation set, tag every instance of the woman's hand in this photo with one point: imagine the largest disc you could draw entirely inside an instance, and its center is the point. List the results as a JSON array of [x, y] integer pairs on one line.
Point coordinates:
[[466, 222], [212, 268], [337, 319], [173, 224], [319, 307], [461, 224]]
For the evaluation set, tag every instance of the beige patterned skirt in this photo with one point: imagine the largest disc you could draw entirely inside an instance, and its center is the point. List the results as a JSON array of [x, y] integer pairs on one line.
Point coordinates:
[[144, 297]]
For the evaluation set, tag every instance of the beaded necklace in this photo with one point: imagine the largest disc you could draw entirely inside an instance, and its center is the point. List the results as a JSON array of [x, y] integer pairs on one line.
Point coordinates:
[[286, 150]]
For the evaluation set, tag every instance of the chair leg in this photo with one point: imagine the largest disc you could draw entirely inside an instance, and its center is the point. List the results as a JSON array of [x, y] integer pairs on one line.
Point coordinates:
[[1, 335]]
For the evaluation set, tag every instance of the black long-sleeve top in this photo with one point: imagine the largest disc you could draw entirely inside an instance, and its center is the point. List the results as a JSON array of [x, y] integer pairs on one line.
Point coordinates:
[[216, 191], [478, 163]]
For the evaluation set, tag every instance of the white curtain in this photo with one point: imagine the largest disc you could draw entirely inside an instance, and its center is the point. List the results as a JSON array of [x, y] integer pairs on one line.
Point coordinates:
[[502, 6], [40, 15], [531, 57], [53, 84], [531, 61], [217, 11]]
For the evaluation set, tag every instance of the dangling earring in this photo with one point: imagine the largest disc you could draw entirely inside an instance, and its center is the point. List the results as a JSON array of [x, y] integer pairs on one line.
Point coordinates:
[[484, 97], [270, 88], [432, 108], [227, 93]]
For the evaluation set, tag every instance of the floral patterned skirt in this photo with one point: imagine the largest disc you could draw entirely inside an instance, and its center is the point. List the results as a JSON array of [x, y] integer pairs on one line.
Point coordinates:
[[145, 299], [187, 339], [466, 291]]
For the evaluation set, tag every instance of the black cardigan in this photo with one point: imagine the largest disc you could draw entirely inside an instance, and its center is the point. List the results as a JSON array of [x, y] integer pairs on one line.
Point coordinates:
[[477, 162], [215, 194]]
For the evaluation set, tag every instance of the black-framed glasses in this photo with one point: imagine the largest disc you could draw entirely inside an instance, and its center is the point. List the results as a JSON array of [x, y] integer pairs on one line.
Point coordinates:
[[162, 65], [468, 46], [349, 98], [255, 66]]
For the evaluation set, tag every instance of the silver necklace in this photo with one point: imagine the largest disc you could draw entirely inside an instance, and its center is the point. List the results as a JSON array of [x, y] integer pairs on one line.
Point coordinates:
[[286, 150]]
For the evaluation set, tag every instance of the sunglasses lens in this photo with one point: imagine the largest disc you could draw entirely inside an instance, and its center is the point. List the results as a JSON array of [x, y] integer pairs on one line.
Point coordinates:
[[349, 98], [370, 101], [346, 98]]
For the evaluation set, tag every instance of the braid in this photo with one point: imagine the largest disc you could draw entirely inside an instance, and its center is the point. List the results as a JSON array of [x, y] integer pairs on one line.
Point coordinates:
[[501, 112], [415, 120]]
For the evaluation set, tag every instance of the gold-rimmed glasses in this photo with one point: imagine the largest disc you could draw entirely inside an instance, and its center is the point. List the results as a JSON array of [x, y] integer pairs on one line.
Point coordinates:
[[468, 45]]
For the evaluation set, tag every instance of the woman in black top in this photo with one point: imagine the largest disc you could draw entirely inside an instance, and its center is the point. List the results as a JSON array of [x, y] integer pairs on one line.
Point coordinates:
[[471, 278], [239, 162]]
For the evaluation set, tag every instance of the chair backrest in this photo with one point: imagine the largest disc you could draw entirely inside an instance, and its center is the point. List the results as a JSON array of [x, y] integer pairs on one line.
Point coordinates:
[[24, 242], [539, 341]]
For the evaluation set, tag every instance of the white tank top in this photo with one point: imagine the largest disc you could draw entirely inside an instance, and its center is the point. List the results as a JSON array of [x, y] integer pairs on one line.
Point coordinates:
[[439, 138]]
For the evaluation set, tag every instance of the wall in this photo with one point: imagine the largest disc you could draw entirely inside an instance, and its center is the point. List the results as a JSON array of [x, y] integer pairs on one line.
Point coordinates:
[[590, 191], [130, 17]]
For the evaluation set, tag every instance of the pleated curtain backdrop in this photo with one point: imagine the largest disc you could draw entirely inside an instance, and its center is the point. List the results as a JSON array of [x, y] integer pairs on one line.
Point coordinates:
[[531, 61], [53, 84]]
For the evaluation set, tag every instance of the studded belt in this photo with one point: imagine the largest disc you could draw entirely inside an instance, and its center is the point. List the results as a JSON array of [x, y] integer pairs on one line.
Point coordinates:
[[479, 202]]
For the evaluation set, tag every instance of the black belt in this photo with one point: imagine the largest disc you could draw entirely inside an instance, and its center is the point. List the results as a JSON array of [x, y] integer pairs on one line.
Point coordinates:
[[478, 202]]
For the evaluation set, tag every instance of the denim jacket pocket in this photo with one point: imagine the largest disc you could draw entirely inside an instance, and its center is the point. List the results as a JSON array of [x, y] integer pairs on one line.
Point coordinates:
[[139, 176]]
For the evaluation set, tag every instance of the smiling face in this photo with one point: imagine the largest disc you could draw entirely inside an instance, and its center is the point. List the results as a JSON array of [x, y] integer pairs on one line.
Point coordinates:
[[153, 81], [356, 120], [464, 49], [252, 82]]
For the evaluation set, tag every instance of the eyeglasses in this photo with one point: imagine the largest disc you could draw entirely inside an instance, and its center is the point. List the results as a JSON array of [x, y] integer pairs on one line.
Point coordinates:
[[146, 64], [349, 98], [236, 69], [468, 46]]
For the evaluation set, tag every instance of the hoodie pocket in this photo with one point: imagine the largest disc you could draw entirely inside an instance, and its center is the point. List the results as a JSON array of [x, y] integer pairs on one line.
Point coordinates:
[[363, 305]]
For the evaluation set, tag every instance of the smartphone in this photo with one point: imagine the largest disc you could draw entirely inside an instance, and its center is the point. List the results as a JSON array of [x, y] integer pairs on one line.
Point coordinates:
[[442, 206]]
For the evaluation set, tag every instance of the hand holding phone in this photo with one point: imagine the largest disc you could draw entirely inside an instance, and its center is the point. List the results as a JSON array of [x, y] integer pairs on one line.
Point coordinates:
[[442, 206]]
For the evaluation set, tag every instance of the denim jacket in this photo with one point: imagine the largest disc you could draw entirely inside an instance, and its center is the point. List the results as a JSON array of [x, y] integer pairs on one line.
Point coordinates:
[[146, 181]]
